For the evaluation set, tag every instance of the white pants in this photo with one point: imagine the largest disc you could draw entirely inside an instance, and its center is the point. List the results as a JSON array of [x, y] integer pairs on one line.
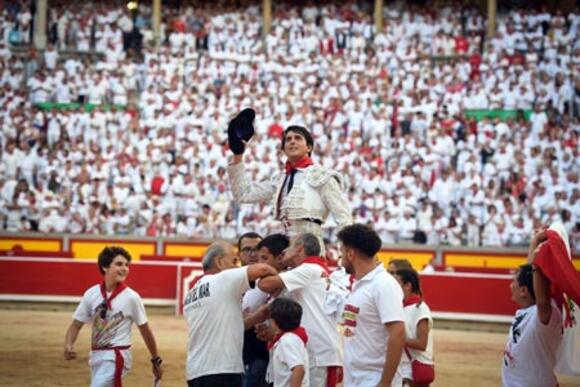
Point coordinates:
[[318, 376], [103, 373]]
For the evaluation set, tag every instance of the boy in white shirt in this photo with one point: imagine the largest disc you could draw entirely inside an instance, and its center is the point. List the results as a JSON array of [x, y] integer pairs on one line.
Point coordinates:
[[112, 307], [288, 354]]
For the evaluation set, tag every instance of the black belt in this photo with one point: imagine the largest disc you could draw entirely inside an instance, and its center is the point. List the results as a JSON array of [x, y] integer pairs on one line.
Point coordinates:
[[313, 220]]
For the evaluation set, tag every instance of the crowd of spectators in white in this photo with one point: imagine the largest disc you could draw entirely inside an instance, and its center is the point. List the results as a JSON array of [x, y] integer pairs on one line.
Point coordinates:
[[386, 110]]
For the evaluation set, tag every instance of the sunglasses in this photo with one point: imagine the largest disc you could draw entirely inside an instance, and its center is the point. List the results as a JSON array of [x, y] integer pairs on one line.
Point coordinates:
[[103, 312]]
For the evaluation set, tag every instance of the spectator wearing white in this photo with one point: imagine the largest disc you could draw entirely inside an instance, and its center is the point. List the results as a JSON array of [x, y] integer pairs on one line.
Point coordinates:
[[373, 318], [407, 225], [388, 228]]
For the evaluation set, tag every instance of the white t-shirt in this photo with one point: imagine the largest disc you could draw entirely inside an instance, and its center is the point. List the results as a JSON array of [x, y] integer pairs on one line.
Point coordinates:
[[307, 284], [213, 311], [413, 315], [289, 352], [253, 299], [376, 299], [530, 354], [126, 308]]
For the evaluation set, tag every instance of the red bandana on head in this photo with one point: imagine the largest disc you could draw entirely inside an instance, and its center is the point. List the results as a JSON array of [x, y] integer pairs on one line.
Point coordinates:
[[302, 163]]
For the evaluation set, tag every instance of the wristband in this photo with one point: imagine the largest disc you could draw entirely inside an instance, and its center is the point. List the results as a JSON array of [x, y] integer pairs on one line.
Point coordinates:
[[156, 361]]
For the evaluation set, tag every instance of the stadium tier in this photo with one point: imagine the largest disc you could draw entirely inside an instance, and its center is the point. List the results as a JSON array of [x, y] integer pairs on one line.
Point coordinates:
[[445, 134]]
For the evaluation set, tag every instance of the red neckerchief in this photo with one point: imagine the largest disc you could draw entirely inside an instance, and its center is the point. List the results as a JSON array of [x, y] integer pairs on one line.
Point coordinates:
[[114, 294], [556, 265], [300, 332], [318, 261], [302, 163], [351, 279], [412, 300]]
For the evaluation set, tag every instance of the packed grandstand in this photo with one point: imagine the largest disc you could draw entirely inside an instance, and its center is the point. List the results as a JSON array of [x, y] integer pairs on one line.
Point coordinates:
[[445, 136]]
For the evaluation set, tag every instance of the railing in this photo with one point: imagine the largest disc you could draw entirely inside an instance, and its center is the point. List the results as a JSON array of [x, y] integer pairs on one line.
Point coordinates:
[[87, 247]]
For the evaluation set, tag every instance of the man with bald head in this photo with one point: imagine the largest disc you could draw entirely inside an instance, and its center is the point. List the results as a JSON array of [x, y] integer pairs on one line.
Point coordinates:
[[213, 311]]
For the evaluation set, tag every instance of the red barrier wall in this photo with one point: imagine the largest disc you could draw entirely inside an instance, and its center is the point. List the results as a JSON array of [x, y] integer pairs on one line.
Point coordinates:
[[463, 293], [60, 277], [468, 293]]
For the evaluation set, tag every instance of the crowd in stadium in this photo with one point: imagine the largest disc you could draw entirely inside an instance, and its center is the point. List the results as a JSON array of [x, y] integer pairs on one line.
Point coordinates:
[[387, 110]]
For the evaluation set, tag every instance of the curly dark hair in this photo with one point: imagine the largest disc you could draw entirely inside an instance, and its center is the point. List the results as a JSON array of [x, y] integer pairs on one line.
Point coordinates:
[[361, 238]]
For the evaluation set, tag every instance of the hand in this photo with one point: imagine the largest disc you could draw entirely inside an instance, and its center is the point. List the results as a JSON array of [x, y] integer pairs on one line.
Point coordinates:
[[157, 371], [537, 240], [262, 313], [538, 237], [236, 159], [69, 352], [264, 332]]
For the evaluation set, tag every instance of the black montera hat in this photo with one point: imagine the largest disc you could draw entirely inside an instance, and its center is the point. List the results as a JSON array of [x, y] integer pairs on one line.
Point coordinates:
[[241, 128]]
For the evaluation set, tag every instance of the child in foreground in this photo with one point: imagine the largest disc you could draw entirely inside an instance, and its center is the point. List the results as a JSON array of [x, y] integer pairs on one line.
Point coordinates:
[[288, 357], [112, 307]]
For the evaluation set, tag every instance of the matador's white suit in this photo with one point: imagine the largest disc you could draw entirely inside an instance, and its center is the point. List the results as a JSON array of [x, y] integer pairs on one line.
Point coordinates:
[[315, 192]]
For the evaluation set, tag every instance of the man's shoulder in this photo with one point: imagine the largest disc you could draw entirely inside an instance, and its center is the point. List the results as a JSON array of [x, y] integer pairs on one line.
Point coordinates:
[[93, 290], [230, 273], [131, 293], [318, 175], [311, 271]]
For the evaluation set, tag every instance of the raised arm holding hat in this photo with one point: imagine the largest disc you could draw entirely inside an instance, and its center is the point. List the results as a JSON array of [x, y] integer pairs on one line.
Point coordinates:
[[304, 195]]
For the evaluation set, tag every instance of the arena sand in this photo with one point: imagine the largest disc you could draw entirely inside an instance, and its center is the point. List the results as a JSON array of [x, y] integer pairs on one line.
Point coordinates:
[[31, 344]]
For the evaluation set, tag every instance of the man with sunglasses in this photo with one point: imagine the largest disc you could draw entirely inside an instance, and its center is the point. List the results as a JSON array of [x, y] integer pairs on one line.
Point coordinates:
[[112, 307]]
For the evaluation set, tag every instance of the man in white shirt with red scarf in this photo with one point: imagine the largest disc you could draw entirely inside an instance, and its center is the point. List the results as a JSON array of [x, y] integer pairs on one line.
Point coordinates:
[[307, 284], [303, 196]]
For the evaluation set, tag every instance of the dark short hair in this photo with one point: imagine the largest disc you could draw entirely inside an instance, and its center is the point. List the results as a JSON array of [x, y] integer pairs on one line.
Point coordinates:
[[275, 243], [362, 238], [525, 277], [286, 312], [410, 276], [311, 244], [301, 131], [249, 235], [108, 254]]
